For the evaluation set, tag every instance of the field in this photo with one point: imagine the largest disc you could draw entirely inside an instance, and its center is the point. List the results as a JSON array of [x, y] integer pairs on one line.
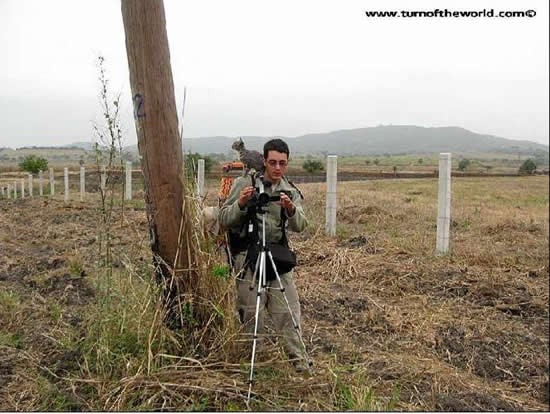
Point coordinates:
[[481, 163], [389, 324]]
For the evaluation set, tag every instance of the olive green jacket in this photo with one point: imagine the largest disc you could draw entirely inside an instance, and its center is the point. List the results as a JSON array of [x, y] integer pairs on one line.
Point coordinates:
[[232, 217]]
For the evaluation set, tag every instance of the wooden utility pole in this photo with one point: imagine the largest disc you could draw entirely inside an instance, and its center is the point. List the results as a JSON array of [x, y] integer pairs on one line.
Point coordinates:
[[159, 143]]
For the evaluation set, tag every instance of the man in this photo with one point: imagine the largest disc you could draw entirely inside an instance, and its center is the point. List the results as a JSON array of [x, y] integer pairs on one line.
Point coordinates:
[[286, 213]]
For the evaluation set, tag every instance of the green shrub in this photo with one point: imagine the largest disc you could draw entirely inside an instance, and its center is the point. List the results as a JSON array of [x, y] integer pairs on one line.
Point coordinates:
[[528, 167], [221, 271], [312, 166], [191, 164], [192, 160], [463, 164], [33, 164]]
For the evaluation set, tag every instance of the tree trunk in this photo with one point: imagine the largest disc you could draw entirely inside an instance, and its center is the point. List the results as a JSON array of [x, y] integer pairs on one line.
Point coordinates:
[[159, 143]]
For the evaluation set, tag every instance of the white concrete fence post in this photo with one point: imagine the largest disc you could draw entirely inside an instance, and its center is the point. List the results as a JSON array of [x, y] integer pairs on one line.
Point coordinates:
[[66, 177], [2, 191], [82, 183], [200, 177], [30, 185], [14, 190], [128, 188], [330, 226], [22, 188], [40, 187], [52, 183], [444, 204]]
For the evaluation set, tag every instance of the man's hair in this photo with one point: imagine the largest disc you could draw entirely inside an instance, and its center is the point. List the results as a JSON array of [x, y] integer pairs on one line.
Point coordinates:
[[276, 144]]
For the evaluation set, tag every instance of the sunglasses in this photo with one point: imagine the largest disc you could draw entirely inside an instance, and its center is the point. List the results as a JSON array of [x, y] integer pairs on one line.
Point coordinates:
[[273, 163]]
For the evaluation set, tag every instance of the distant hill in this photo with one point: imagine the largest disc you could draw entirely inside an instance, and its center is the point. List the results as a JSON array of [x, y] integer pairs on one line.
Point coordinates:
[[88, 146], [379, 140], [389, 139]]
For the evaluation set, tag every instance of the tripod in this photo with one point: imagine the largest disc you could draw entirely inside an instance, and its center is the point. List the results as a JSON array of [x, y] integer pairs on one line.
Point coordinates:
[[264, 259]]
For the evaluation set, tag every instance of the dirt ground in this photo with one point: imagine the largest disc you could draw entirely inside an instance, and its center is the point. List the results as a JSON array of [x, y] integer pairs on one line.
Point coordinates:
[[446, 333]]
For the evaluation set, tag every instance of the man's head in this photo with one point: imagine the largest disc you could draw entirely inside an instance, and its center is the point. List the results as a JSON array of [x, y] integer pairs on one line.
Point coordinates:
[[276, 155]]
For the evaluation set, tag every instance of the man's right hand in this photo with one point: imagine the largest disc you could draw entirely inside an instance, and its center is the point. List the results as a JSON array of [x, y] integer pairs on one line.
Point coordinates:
[[245, 195]]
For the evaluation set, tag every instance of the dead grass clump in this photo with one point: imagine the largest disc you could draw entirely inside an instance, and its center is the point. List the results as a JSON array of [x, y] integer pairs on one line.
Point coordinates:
[[512, 299], [512, 226], [472, 401], [496, 356], [360, 214], [337, 261]]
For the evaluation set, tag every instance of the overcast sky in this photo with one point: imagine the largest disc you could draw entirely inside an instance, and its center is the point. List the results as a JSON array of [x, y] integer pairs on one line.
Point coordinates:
[[286, 67]]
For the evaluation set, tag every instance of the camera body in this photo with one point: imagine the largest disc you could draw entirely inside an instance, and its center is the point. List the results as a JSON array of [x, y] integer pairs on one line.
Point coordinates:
[[260, 198], [264, 198]]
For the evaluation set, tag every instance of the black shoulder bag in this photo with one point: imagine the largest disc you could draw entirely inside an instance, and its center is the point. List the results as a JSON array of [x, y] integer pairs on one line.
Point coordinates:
[[283, 256]]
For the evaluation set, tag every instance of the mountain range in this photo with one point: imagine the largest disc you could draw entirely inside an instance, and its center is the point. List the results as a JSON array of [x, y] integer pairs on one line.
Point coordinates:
[[379, 140], [389, 139]]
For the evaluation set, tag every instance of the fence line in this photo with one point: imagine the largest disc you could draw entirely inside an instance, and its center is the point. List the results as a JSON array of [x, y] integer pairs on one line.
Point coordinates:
[[18, 189], [444, 194]]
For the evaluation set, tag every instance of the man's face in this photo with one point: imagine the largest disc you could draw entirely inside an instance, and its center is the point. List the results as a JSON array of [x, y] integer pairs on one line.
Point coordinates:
[[275, 164]]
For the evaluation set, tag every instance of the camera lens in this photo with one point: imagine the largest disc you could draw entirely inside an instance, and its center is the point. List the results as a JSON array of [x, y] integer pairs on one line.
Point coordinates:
[[263, 199]]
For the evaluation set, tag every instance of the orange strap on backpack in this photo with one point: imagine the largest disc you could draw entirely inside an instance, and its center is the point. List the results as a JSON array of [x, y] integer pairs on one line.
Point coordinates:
[[225, 188]]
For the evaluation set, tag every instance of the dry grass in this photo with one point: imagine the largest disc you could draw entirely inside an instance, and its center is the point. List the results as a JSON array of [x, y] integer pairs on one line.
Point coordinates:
[[389, 324], [481, 312]]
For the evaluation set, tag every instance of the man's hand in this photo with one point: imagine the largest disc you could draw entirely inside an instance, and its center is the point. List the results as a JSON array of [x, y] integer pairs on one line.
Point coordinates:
[[245, 195], [288, 205]]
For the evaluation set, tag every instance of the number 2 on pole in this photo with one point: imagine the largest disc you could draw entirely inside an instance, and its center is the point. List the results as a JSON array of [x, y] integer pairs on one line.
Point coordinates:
[[138, 106]]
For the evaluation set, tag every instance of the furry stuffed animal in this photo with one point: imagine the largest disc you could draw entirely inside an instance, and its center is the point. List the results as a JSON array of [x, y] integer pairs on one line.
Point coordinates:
[[250, 158]]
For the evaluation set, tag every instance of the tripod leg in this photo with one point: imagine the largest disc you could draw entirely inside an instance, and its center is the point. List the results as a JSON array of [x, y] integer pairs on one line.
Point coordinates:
[[256, 270], [260, 291]]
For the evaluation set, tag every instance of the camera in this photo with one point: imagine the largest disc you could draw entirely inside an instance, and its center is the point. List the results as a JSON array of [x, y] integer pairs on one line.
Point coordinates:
[[262, 199]]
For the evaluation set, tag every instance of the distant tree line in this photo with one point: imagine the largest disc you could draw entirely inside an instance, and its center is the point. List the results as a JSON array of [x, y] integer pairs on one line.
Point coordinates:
[[529, 166]]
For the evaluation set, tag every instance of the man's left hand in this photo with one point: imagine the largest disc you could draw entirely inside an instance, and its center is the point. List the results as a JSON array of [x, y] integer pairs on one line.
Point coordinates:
[[288, 205]]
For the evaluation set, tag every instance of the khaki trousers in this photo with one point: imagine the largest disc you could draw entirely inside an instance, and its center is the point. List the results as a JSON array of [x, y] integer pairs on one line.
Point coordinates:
[[274, 303]]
